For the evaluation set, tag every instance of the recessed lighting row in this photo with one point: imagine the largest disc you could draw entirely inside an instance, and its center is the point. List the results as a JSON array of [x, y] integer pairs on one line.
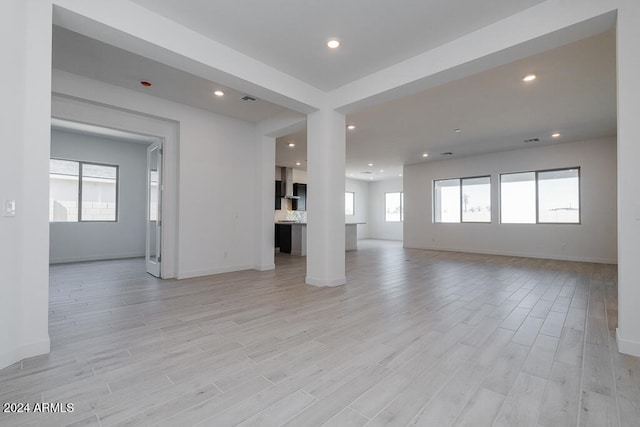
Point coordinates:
[[529, 77]]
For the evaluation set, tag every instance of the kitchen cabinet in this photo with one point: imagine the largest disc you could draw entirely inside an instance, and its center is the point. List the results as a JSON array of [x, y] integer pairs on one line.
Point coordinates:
[[278, 195], [299, 204], [283, 237]]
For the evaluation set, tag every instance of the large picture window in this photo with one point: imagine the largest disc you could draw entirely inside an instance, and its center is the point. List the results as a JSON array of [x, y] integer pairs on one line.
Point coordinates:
[[82, 191], [462, 200], [543, 197], [393, 207]]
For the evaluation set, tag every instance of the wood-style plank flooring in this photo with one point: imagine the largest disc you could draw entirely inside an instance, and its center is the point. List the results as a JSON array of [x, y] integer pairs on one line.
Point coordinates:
[[416, 337]]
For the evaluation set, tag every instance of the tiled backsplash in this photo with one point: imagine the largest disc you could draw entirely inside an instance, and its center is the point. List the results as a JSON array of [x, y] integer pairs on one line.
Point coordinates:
[[288, 215]]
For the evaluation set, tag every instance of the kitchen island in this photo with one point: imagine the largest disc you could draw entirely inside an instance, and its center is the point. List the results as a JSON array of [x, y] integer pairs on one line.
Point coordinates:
[[291, 237]]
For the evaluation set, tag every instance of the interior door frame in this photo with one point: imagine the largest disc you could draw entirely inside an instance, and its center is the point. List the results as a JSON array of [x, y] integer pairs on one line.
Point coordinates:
[[153, 263], [81, 110]]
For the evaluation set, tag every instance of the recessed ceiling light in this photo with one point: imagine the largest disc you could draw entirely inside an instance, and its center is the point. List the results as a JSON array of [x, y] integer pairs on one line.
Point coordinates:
[[145, 83], [457, 130], [292, 144], [425, 154], [381, 170], [298, 163], [333, 43], [218, 93], [400, 174], [555, 135], [370, 177], [370, 164], [351, 127], [529, 77]]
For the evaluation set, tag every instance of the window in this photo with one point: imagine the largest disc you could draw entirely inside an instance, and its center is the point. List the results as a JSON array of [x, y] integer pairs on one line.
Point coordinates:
[[393, 207], [82, 191], [349, 203], [462, 200], [518, 198], [543, 197]]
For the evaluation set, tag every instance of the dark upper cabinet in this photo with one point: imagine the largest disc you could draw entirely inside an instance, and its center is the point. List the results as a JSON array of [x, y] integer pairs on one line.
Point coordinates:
[[299, 204], [278, 195]]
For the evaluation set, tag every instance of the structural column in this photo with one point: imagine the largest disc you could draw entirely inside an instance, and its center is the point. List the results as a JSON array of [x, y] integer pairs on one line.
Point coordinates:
[[325, 198], [628, 333], [265, 168]]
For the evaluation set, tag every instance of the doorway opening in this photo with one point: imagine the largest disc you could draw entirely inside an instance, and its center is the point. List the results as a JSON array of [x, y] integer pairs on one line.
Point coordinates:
[[105, 195]]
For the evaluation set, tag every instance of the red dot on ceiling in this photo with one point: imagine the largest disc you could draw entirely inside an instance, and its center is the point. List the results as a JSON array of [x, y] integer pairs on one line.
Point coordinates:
[[145, 84]]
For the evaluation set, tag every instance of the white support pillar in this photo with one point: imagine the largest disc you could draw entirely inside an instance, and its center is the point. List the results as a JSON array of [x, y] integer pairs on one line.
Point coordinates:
[[266, 161], [628, 333], [325, 198], [25, 126]]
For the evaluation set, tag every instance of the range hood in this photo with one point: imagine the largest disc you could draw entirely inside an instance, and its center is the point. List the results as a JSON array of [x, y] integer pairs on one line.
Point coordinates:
[[287, 178]]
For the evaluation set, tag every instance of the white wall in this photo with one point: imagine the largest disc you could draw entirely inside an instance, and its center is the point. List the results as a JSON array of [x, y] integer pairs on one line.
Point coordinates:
[[361, 213], [593, 240], [73, 241], [217, 176], [25, 113], [628, 333], [379, 228]]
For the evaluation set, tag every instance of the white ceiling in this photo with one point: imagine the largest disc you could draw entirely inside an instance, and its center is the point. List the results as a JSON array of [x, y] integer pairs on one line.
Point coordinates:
[[575, 93], [78, 54], [291, 36]]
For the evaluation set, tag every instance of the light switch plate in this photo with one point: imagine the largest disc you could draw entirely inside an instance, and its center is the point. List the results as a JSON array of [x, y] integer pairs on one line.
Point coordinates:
[[9, 208]]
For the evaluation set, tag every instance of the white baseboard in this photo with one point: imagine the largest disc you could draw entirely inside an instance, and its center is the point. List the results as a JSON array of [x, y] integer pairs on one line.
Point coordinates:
[[96, 257], [625, 346], [519, 254], [12, 356], [209, 272], [265, 267], [325, 282]]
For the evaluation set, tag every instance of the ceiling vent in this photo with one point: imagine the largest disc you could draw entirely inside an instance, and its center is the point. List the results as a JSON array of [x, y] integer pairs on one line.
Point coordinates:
[[248, 98], [527, 141], [447, 153], [367, 172]]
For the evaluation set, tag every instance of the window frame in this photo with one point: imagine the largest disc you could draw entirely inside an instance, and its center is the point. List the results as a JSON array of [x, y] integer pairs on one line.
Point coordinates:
[[537, 194], [80, 177], [460, 179], [353, 203], [401, 193]]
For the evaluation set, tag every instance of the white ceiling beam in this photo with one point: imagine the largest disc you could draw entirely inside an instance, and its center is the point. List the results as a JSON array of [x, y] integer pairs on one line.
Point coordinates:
[[129, 26], [537, 29]]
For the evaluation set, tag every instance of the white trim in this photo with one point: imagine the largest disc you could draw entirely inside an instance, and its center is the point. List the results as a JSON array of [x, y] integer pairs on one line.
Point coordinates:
[[629, 347], [325, 282], [265, 267], [28, 350], [517, 254]]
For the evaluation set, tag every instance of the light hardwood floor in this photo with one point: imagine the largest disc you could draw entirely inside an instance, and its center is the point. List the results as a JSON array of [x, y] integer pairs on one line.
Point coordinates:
[[415, 338]]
